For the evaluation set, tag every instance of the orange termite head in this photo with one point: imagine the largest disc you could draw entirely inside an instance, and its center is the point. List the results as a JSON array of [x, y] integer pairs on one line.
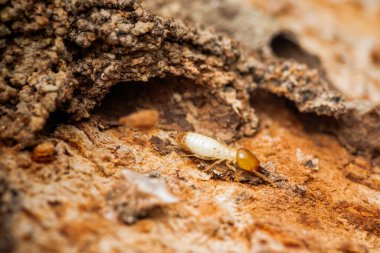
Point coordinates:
[[246, 160]]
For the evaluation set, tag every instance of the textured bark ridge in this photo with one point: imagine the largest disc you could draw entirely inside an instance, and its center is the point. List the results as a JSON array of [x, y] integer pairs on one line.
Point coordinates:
[[70, 173]]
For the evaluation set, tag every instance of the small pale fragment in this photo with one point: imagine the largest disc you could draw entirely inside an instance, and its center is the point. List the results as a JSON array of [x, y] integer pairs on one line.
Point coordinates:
[[144, 119], [151, 186], [43, 152], [309, 161], [137, 196]]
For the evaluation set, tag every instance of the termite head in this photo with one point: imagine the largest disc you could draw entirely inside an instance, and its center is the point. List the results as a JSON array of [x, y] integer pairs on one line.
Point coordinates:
[[246, 160]]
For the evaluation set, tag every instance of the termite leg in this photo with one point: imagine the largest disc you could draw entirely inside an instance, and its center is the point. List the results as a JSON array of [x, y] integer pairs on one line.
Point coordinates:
[[215, 163], [230, 166]]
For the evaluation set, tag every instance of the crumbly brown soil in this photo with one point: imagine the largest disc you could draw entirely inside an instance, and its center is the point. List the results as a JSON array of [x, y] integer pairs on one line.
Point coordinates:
[[343, 34], [70, 70]]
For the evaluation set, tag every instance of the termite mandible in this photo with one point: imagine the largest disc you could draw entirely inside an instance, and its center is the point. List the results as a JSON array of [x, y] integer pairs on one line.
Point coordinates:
[[207, 148]]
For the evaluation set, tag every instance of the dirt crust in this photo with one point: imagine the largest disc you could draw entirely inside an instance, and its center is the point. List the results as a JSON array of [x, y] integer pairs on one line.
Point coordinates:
[[74, 177], [61, 52]]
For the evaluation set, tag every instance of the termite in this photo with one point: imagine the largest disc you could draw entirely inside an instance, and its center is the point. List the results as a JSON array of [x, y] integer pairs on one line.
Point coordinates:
[[207, 148]]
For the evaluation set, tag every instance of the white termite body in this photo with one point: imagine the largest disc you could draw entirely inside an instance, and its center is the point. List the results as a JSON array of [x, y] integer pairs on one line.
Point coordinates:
[[210, 149], [205, 147]]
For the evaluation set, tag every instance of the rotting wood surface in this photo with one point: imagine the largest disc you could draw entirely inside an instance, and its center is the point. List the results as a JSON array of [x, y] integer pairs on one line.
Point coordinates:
[[70, 70]]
